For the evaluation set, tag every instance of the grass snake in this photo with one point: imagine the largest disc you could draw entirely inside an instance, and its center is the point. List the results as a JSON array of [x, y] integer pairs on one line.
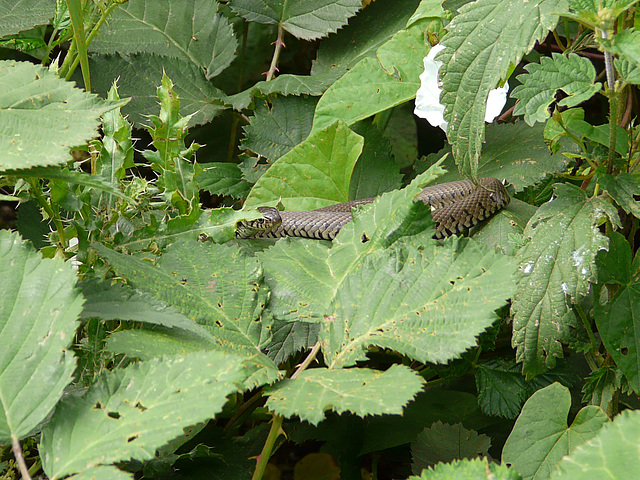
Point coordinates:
[[455, 207]]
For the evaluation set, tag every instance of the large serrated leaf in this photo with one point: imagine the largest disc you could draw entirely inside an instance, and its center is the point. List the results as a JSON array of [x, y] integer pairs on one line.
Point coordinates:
[[17, 15], [275, 131], [540, 437], [557, 265], [305, 19], [612, 454], [39, 308], [131, 412], [445, 443], [316, 173], [42, 116], [477, 469], [139, 76], [623, 189], [572, 74], [482, 42], [217, 286], [191, 30], [360, 391], [389, 79]]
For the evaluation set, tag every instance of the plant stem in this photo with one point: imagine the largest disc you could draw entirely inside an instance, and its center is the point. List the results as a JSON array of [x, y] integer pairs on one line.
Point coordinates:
[[276, 421], [276, 54], [17, 453], [613, 107]]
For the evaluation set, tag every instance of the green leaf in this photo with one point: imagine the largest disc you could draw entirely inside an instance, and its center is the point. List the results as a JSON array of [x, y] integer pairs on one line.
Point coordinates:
[[42, 116], [629, 73], [39, 308], [305, 19], [291, 337], [522, 163], [475, 59], [141, 73], [541, 437], [316, 173], [602, 386], [477, 469], [365, 33], [557, 266], [502, 388], [103, 472], [625, 44], [18, 15], [131, 412], [622, 189], [223, 179], [445, 443], [275, 131], [572, 74], [612, 454], [360, 391], [375, 172], [190, 30], [217, 286], [389, 79], [618, 319]]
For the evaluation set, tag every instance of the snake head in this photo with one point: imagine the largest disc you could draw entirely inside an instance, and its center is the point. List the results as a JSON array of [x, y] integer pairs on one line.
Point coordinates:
[[250, 228]]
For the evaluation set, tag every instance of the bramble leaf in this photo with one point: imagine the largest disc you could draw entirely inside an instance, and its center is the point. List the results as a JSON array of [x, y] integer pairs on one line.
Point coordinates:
[[305, 19], [131, 412], [572, 74], [359, 390], [476, 469], [191, 30], [622, 189], [39, 308], [42, 116], [223, 179], [476, 59], [540, 437], [18, 15], [557, 265]]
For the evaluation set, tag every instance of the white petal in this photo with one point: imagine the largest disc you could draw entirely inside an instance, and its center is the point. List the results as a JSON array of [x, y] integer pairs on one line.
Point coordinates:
[[495, 102], [428, 104]]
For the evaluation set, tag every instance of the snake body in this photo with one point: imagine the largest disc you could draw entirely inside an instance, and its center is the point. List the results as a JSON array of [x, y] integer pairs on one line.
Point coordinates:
[[455, 207]]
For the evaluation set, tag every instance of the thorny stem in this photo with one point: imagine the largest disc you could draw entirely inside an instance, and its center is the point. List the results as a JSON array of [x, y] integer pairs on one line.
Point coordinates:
[[276, 421], [53, 215], [17, 453], [276, 53]]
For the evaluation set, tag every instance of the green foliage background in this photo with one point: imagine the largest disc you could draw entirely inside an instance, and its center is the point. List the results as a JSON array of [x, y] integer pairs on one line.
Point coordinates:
[[138, 337]]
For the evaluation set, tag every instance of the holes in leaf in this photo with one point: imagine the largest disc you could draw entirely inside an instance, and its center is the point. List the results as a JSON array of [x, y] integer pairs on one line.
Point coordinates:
[[219, 323], [219, 305], [140, 407], [364, 238], [98, 406], [132, 438], [624, 351], [114, 415]]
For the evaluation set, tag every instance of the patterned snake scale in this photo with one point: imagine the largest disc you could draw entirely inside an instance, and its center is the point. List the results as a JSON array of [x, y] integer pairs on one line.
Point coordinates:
[[455, 207]]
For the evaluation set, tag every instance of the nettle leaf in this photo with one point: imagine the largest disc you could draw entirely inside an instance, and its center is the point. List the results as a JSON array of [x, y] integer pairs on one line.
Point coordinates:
[[476, 469], [540, 437], [514, 152], [612, 453], [315, 173], [275, 131], [557, 266], [389, 79], [18, 15], [139, 76], [39, 308], [364, 34], [42, 116], [217, 286], [305, 19], [476, 58], [191, 30], [618, 320], [622, 189], [223, 179], [629, 73], [384, 281], [572, 74], [593, 12], [131, 412], [445, 443], [359, 390]]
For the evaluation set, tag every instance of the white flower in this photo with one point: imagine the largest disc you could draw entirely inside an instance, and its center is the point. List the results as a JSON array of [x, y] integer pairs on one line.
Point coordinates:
[[428, 104]]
